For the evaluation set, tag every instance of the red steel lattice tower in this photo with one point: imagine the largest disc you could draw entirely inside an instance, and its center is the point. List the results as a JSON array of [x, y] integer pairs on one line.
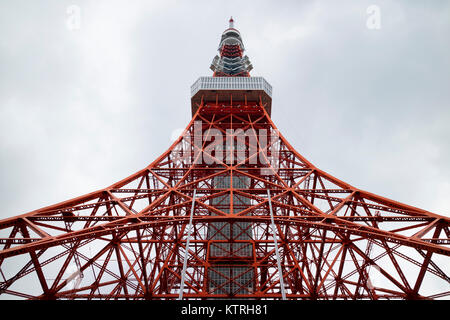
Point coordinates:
[[230, 210]]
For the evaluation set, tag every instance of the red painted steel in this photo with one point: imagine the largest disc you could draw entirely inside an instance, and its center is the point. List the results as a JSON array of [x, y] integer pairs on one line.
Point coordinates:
[[127, 241]]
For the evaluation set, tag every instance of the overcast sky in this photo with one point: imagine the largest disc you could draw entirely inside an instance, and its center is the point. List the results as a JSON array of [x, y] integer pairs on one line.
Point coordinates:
[[81, 108]]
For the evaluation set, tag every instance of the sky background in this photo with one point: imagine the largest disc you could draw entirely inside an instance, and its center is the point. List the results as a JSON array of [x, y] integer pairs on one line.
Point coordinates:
[[83, 108]]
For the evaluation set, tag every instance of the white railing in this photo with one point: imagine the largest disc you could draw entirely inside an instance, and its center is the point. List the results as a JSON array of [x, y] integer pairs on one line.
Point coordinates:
[[231, 83]]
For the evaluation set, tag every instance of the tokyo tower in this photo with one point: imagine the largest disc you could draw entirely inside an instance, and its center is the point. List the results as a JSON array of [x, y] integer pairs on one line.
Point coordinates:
[[230, 211]]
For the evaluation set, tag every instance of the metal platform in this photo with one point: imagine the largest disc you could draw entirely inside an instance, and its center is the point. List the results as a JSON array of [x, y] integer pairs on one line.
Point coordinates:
[[237, 89]]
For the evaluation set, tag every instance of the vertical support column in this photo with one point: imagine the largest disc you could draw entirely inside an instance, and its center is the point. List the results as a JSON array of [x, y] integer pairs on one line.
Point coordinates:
[[277, 254], [183, 273]]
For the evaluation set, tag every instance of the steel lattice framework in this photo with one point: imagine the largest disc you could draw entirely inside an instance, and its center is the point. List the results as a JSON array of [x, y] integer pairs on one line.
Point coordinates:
[[197, 225]]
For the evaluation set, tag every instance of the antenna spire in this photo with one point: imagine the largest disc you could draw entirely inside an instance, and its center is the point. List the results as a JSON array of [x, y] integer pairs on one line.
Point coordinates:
[[231, 22]]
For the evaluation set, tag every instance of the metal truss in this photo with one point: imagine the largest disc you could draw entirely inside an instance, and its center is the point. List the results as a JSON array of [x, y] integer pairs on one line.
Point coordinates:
[[132, 240]]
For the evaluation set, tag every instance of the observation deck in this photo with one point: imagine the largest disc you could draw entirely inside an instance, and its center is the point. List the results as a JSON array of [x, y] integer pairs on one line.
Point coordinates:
[[231, 91]]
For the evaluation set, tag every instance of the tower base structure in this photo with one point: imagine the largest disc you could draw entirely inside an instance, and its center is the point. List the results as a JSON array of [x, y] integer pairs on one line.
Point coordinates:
[[130, 240]]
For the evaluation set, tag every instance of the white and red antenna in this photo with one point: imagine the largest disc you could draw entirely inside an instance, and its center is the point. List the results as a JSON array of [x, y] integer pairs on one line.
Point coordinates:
[[231, 23]]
